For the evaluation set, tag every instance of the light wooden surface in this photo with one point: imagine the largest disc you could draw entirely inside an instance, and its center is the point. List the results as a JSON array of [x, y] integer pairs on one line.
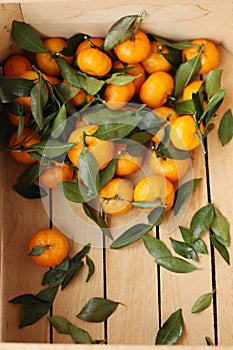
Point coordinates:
[[129, 275]]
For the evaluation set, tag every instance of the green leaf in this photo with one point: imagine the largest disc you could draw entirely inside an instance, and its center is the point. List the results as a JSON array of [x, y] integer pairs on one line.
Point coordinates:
[[119, 32], [149, 205], [63, 326], [200, 246], [29, 191], [184, 249], [184, 107], [79, 335], [75, 264], [97, 310], [31, 174], [37, 250], [90, 84], [100, 114], [106, 174], [155, 217], [185, 73], [183, 192], [221, 228], [156, 247], [213, 104], [75, 192], [67, 91], [130, 235], [120, 79], [150, 120], [72, 44], [225, 129], [201, 221], [203, 302], [97, 217], [38, 100], [117, 130], [208, 341], [175, 264], [185, 233], [213, 82], [54, 277], [91, 267], [11, 88], [171, 330], [52, 148], [59, 122], [179, 45], [89, 171], [220, 248], [31, 313], [26, 37]]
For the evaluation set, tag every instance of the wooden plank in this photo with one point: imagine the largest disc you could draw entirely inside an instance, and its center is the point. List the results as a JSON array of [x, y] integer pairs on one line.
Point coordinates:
[[182, 290], [70, 219], [220, 166], [20, 275]]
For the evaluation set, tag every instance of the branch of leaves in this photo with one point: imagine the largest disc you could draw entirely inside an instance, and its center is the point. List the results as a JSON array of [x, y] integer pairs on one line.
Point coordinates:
[[96, 310], [35, 306]]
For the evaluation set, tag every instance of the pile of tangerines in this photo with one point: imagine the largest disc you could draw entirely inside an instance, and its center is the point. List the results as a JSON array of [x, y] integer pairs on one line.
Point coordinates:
[[135, 70]]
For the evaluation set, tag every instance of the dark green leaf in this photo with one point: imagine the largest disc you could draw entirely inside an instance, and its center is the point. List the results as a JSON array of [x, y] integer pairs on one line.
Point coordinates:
[[38, 100], [52, 148], [184, 249], [60, 324], [143, 136], [213, 104], [31, 313], [31, 174], [171, 330], [11, 88], [220, 248], [201, 221], [37, 250], [117, 130], [203, 302], [97, 310], [54, 277], [183, 192], [120, 79], [48, 294], [59, 122], [91, 267], [225, 129], [184, 107], [130, 235], [75, 192], [79, 335], [90, 84], [185, 233], [25, 36], [89, 171], [26, 299], [200, 246], [75, 264], [184, 74], [179, 45], [72, 44], [107, 173], [67, 91], [221, 228], [155, 217], [175, 264], [97, 217], [173, 58], [30, 191], [209, 341], [156, 247], [198, 105], [119, 32], [172, 152], [213, 82]]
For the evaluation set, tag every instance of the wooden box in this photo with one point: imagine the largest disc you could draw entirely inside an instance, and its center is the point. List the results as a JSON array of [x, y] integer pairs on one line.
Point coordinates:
[[129, 275]]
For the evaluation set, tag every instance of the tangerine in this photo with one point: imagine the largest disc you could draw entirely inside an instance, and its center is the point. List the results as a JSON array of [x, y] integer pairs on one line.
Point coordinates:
[[53, 175], [156, 61], [116, 96], [127, 164], [16, 65], [94, 62]]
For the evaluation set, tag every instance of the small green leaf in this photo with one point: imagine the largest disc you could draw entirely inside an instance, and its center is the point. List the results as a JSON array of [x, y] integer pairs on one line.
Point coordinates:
[[183, 192], [156, 247], [155, 217], [25, 36], [185, 233], [90, 84], [208, 341], [97, 310], [171, 330], [10, 88], [72, 44], [220, 248], [149, 205], [79, 335], [106, 174], [59, 122], [75, 192], [225, 129], [120, 79], [52, 148], [179, 45], [89, 171], [119, 32], [30, 191], [213, 82], [184, 74], [60, 324], [200, 246], [203, 302], [184, 249], [184, 107], [201, 221], [67, 91], [174, 264], [38, 250], [213, 105], [221, 228], [117, 130], [31, 174], [75, 264], [38, 100], [54, 277], [130, 235], [91, 267]]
